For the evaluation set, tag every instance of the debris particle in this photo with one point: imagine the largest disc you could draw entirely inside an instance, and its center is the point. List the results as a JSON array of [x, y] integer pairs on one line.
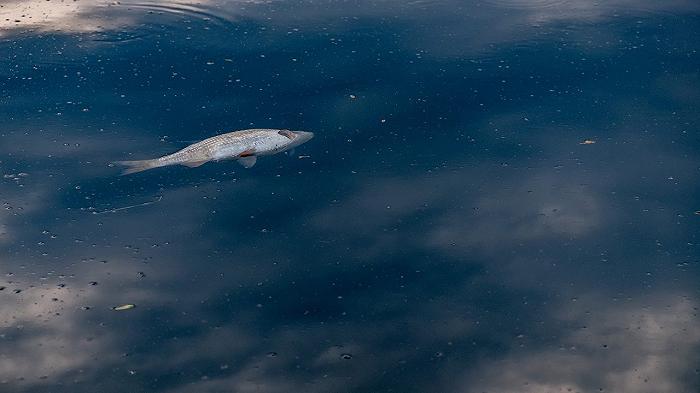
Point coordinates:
[[123, 307], [587, 142]]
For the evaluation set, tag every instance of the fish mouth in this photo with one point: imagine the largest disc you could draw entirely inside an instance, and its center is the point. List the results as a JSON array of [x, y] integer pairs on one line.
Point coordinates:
[[303, 136]]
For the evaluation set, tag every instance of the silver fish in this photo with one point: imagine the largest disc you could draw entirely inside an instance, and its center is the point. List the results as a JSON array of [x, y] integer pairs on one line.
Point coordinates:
[[244, 146]]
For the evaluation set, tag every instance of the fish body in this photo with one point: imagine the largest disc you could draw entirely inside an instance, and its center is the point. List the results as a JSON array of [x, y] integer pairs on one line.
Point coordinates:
[[244, 146]]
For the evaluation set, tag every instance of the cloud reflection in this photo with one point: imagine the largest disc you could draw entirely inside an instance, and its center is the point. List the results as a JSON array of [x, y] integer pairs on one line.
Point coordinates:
[[97, 16], [624, 347], [477, 273]]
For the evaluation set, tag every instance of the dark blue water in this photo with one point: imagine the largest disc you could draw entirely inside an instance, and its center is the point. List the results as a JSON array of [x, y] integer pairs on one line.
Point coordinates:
[[501, 196]]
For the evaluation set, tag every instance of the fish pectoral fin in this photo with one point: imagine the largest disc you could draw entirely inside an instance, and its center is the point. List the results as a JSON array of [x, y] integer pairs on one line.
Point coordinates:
[[248, 161], [247, 153], [194, 164]]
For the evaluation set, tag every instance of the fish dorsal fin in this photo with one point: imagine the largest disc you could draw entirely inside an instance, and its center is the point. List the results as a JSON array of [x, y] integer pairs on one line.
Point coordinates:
[[248, 161], [194, 164]]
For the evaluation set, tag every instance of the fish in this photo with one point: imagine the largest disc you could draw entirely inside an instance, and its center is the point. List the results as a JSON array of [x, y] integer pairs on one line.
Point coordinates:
[[244, 146]]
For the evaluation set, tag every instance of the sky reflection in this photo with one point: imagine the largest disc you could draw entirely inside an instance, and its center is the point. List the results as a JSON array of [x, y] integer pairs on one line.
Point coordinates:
[[448, 228]]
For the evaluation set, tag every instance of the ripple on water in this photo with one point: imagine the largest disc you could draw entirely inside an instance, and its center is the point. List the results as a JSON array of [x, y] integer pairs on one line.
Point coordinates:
[[117, 36], [149, 18], [201, 12]]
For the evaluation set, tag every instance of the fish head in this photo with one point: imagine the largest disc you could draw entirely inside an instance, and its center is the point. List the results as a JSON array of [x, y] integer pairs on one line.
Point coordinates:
[[295, 138]]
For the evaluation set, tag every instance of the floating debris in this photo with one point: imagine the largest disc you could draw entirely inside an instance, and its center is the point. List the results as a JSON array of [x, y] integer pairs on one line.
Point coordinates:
[[346, 356], [160, 197], [587, 142], [123, 307]]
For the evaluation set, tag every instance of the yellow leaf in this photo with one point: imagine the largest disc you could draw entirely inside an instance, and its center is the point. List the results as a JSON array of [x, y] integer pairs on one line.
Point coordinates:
[[124, 307]]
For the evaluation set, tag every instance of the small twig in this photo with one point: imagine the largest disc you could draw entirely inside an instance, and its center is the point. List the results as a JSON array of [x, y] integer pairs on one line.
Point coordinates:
[[129, 207]]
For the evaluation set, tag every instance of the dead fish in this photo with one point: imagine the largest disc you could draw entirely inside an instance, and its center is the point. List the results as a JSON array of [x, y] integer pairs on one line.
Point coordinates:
[[244, 146]]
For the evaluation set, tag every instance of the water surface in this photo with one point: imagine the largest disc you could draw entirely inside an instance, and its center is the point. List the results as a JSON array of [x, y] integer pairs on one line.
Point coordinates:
[[501, 197]]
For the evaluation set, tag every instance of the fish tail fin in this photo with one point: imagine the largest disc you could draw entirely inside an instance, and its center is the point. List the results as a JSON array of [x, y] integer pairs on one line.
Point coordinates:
[[138, 166]]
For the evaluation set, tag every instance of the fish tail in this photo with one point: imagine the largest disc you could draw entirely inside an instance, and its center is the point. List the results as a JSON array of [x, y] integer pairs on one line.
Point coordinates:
[[138, 166]]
